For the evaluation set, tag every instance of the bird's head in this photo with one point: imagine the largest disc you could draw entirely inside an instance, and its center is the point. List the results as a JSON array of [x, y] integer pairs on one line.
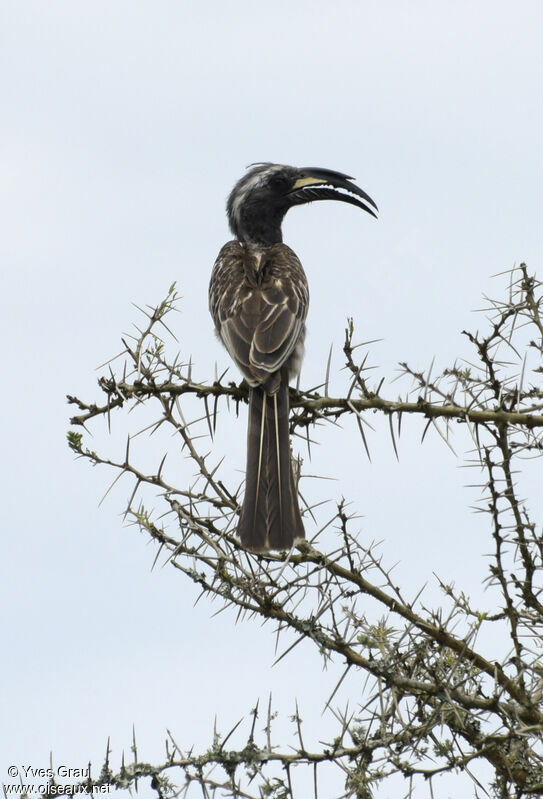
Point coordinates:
[[259, 201]]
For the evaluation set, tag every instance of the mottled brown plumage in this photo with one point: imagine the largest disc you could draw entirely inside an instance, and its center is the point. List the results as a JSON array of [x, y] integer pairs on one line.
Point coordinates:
[[258, 297], [259, 300]]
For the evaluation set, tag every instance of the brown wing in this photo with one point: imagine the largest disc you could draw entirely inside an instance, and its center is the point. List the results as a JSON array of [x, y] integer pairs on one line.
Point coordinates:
[[259, 301]]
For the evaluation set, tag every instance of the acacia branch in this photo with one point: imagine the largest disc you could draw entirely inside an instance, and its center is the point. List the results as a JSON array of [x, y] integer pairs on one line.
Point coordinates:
[[432, 700]]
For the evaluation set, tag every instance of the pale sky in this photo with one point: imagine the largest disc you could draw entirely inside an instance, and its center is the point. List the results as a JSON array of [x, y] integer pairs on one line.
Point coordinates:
[[124, 127]]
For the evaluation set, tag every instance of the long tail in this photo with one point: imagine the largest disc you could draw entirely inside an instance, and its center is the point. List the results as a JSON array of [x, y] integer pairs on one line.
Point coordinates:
[[270, 516]]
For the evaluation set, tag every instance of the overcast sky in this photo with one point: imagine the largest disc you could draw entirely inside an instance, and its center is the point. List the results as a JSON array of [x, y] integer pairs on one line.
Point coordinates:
[[124, 127]]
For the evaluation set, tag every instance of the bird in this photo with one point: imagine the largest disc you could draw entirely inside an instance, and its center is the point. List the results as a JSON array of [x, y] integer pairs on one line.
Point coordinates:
[[258, 299]]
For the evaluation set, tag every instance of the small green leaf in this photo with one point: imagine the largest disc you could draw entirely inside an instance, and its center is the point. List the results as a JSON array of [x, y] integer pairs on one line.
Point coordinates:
[[74, 440]]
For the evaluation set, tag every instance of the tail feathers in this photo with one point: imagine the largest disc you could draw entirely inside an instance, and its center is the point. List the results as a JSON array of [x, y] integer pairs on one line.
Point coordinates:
[[270, 516]]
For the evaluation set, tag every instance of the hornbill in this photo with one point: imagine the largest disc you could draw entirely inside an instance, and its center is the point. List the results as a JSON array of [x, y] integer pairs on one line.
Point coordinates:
[[258, 298]]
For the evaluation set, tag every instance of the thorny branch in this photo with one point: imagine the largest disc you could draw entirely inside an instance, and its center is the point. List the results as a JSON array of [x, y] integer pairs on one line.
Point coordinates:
[[432, 701]]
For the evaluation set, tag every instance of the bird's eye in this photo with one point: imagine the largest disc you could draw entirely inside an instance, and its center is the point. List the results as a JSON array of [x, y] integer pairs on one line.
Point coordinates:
[[279, 183]]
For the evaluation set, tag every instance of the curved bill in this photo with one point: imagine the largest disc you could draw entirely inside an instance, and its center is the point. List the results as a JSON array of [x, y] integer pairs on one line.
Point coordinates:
[[314, 183]]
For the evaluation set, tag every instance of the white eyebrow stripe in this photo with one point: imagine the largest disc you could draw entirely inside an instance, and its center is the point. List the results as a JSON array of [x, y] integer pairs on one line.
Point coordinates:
[[251, 182]]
